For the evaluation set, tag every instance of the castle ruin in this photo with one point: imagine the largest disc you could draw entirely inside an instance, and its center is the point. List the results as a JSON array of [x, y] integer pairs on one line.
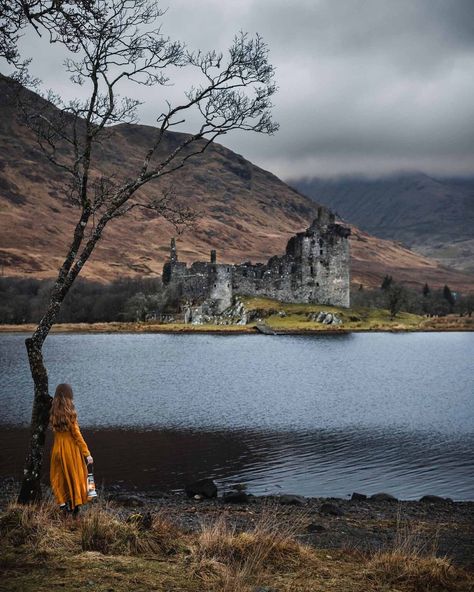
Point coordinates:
[[314, 269]]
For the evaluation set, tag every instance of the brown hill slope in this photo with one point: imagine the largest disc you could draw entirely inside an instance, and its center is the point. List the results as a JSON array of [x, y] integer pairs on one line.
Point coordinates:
[[244, 212]]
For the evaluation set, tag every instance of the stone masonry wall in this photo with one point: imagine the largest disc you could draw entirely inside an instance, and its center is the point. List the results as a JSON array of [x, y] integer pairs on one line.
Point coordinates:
[[315, 268]]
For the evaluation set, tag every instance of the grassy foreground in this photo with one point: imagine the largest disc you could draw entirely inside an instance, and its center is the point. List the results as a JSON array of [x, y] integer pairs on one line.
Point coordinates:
[[104, 550]]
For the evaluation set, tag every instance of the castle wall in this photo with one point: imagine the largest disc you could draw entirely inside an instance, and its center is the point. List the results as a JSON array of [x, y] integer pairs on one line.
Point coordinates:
[[315, 268]]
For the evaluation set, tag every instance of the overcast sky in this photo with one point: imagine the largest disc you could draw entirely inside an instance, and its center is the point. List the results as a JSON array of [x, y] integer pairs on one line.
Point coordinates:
[[365, 86]]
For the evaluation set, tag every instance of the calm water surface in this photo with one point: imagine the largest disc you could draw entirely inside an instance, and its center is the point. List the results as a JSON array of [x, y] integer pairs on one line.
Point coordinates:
[[316, 415]]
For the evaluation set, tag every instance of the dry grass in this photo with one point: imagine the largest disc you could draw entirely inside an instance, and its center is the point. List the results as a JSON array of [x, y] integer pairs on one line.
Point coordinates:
[[44, 528], [40, 547], [101, 530], [413, 572], [411, 564], [238, 561], [40, 527]]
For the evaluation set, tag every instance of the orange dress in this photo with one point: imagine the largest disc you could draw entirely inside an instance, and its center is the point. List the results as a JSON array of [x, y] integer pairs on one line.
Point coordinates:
[[68, 472]]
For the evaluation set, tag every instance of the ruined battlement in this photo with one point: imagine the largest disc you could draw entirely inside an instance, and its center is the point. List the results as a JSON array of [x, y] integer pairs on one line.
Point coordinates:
[[314, 268]]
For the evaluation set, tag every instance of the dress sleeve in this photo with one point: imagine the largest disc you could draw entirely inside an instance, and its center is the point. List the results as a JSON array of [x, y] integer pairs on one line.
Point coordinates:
[[79, 440]]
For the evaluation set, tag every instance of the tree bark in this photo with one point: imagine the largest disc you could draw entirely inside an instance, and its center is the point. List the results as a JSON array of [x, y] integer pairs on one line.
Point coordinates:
[[31, 485]]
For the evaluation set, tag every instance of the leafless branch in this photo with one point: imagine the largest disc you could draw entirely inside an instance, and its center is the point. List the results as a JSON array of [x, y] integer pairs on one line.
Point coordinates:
[[114, 40], [110, 41]]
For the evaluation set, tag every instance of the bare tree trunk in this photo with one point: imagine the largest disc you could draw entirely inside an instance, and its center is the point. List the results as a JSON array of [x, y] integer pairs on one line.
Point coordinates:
[[31, 485], [30, 490]]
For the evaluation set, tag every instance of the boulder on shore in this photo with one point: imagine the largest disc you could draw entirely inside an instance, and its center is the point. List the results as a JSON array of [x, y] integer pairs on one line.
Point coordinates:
[[331, 509], [383, 497], [291, 500], [315, 527], [434, 499], [236, 497], [358, 497], [204, 487], [326, 318]]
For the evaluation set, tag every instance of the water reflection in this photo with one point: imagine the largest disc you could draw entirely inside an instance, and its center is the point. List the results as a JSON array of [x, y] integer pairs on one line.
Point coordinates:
[[318, 463]]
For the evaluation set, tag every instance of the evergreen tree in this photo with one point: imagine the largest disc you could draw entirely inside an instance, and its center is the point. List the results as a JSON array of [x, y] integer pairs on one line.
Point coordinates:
[[449, 297], [396, 299], [386, 282], [426, 290]]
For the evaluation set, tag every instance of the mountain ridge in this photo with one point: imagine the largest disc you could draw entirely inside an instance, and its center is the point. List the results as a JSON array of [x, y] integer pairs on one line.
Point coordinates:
[[243, 211], [432, 216]]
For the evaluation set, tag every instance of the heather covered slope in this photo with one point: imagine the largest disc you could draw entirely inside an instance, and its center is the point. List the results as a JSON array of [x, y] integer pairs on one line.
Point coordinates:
[[434, 217], [244, 212]]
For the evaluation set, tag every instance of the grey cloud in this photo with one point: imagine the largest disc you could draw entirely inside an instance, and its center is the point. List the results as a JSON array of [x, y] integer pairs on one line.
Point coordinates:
[[365, 86]]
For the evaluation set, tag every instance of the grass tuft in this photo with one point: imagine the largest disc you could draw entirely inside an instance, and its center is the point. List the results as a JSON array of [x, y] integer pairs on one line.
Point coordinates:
[[413, 572], [411, 564], [238, 561], [40, 527], [103, 531], [44, 527]]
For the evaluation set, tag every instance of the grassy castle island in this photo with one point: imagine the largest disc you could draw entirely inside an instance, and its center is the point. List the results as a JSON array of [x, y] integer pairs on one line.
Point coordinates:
[[253, 315]]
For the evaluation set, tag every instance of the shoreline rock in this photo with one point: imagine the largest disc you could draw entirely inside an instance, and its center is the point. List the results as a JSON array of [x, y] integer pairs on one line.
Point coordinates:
[[204, 488]]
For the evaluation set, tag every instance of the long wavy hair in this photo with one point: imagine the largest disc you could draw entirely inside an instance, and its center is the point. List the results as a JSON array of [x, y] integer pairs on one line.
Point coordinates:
[[63, 413]]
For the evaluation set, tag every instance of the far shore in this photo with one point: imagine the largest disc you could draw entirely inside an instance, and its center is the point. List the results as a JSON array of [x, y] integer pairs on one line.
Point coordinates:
[[446, 324], [272, 317]]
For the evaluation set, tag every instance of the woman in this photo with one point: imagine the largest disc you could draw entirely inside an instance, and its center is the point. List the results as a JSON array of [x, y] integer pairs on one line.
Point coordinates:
[[68, 474]]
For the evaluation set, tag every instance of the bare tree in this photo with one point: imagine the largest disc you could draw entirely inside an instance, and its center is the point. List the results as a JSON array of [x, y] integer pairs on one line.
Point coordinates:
[[45, 16], [111, 41]]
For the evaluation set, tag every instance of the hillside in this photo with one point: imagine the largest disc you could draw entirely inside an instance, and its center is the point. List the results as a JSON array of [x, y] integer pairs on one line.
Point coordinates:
[[244, 212], [434, 217]]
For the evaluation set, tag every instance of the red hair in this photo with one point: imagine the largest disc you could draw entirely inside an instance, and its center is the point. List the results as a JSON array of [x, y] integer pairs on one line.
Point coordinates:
[[63, 413]]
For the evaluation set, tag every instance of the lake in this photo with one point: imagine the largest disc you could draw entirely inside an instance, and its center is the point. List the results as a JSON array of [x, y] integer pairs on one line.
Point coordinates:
[[321, 415]]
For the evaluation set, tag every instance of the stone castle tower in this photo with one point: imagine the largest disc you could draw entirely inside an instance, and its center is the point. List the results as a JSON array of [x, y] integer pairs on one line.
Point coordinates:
[[315, 268]]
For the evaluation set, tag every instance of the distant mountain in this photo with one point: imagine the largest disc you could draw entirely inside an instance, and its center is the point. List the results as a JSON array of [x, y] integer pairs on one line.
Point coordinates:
[[434, 217], [244, 212]]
